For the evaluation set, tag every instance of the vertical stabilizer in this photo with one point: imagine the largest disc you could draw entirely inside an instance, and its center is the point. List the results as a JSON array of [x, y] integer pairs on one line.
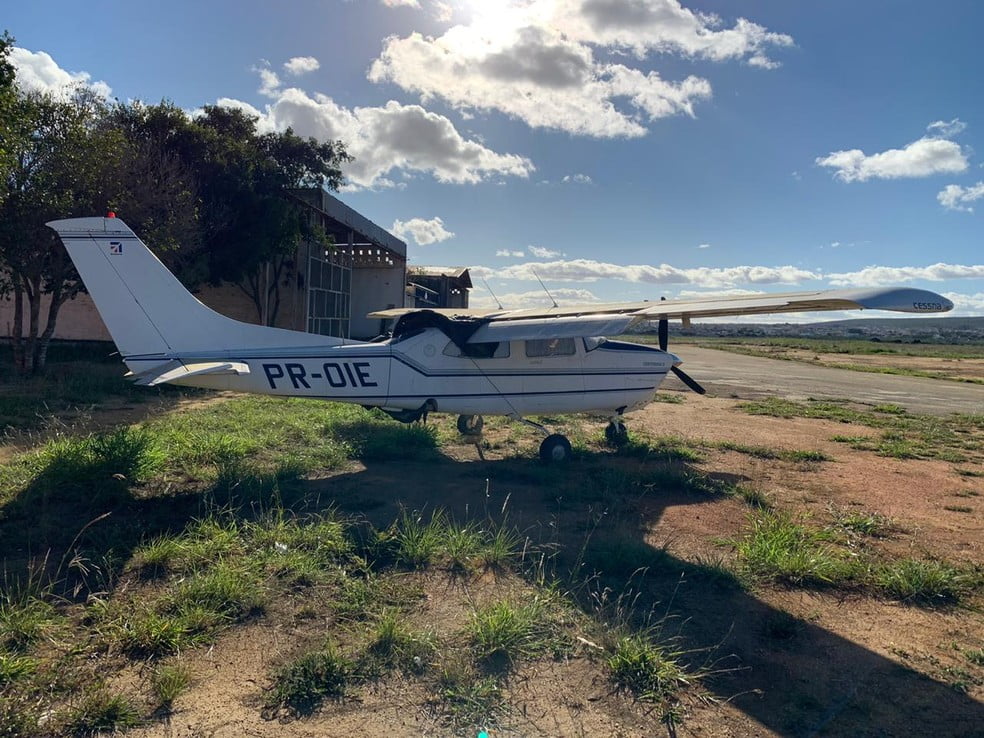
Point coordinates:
[[146, 309]]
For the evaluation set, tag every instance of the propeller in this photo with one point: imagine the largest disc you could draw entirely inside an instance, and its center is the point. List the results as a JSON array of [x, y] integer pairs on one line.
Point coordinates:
[[664, 336]]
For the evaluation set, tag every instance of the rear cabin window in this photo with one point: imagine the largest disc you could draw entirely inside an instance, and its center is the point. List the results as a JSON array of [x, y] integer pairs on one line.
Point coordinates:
[[491, 350], [550, 347]]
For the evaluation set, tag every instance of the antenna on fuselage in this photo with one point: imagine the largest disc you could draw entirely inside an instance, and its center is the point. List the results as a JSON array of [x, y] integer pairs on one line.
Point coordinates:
[[485, 282], [544, 287]]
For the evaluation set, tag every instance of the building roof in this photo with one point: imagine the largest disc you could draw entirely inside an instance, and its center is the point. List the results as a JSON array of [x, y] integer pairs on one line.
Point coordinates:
[[440, 271], [347, 227]]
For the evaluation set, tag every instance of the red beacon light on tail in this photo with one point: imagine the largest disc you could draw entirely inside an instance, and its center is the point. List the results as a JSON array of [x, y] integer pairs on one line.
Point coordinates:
[[110, 214]]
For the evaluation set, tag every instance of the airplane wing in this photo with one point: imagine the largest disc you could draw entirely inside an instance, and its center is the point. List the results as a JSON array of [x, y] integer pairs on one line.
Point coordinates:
[[613, 318]]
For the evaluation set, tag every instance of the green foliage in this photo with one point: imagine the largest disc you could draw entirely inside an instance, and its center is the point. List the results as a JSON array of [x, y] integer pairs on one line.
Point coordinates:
[[864, 523], [147, 633], [470, 699], [505, 632], [416, 543], [100, 711], [169, 681], [780, 549], [24, 619], [667, 449], [393, 644], [925, 581], [905, 436], [763, 452], [102, 465], [227, 589], [14, 667], [645, 669], [301, 684]]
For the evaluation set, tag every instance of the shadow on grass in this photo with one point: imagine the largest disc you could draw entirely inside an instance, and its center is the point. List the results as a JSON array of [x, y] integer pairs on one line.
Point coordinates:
[[591, 515]]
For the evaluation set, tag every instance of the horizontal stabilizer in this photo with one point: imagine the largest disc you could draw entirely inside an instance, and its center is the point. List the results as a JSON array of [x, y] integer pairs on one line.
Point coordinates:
[[179, 370]]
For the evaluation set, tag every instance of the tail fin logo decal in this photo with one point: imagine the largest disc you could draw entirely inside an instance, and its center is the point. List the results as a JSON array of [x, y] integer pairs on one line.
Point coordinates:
[[115, 247]]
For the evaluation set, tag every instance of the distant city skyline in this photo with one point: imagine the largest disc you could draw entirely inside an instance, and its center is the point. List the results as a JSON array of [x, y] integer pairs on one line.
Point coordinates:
[[621, 149]]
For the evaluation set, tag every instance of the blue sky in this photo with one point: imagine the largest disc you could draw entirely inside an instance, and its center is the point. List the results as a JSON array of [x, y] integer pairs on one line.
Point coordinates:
[[622, 149]]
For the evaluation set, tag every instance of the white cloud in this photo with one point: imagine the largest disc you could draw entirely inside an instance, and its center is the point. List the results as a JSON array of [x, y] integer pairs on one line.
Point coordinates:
[[299, 65], [38, 72], [535, 298], [539, 252], [921, 158], [442, 11], [946, 129], [701, 294], [883, 275], [393, 137], [704, 246], [955, 197], [398, 3], [577, 179], [588, 270], [548, 62], [423, 232], [510, 254], [269, 82], [966, 304]]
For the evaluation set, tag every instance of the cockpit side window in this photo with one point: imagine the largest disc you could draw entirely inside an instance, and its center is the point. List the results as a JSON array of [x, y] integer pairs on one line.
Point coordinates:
[[550, 347], [490, 350], [593, 342]]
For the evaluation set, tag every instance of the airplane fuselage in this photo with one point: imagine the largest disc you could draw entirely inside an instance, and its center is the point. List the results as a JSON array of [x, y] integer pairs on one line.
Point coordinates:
[[508, 378]]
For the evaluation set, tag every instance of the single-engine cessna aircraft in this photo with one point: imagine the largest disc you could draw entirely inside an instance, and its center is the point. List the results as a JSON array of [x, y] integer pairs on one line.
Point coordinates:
[[469, 362]]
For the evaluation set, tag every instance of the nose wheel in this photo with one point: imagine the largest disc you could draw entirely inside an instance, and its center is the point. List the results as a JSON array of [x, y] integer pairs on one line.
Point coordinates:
[[470, 425], [616, 434]]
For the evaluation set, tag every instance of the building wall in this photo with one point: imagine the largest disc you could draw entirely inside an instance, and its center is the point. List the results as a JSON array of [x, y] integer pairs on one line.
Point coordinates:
[[375, 289], [78, 319]]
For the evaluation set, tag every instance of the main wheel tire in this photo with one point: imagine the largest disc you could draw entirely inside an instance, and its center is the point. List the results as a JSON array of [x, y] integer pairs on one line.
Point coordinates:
[[470, 425], [616, 434], [555, 449]]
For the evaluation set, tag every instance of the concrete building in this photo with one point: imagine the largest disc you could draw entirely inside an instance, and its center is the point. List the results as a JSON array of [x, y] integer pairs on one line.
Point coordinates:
[[434, 287], [329, 291]]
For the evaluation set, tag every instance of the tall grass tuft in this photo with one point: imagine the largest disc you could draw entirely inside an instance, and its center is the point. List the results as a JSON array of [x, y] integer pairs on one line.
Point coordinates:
[[926, 582], [303, 683], [779, 549], [168, 682], [100, 465], [645, 669], [100, 711]]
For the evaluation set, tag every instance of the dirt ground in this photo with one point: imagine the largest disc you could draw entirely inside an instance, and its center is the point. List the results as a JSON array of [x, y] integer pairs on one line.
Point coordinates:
[[788, 661]]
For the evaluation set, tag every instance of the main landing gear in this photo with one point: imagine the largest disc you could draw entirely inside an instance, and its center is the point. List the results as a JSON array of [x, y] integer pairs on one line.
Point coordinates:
[[555, 448]]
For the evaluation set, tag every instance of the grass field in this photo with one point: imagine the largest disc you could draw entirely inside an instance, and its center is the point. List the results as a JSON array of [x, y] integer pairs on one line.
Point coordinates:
[[954, 362], [364, 574]]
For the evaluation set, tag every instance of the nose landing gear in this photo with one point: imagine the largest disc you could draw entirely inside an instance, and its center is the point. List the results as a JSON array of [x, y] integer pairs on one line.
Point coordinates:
[[470, 425]]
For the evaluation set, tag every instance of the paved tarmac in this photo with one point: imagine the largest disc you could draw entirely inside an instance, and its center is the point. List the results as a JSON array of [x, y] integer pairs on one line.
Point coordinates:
[[724, 374]]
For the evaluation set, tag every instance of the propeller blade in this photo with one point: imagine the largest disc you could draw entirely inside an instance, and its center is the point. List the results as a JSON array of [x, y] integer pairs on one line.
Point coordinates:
[[664, 333], [688, 380]]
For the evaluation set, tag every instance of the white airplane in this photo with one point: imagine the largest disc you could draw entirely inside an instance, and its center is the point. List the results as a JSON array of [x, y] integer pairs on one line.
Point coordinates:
[[470, 362]]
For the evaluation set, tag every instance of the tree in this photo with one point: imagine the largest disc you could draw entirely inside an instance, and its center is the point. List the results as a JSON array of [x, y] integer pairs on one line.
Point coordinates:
[[210, 195], [224, 211], [252, 225], [59, 163]]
